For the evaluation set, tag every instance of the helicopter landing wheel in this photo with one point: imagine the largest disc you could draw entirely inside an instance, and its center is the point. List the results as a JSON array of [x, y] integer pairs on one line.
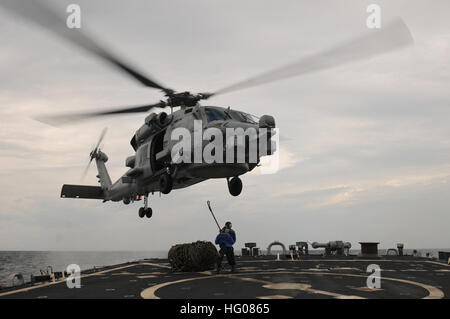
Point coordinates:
[[148, 212], [142, 212], [235, 186], [165, 183]]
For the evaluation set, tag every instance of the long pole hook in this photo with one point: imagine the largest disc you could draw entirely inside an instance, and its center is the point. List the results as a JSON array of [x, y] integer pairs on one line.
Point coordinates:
[[210, 209]]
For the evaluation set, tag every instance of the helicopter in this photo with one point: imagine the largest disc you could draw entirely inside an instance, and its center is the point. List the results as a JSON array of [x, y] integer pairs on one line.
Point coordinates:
[[153, 167]]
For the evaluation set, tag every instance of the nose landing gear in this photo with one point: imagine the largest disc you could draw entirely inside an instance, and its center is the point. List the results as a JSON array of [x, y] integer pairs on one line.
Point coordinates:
[[165, 183], [234, 186], [145, 211]]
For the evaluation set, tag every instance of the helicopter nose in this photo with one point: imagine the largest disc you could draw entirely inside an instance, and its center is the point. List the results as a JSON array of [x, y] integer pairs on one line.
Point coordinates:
[[266, 121], [267, 125]]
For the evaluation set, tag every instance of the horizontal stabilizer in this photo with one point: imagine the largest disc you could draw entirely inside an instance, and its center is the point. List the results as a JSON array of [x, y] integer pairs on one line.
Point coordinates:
[[81, 191]]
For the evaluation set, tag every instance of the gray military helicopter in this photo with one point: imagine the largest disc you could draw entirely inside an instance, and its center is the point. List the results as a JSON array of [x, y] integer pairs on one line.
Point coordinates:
[[152, 168]]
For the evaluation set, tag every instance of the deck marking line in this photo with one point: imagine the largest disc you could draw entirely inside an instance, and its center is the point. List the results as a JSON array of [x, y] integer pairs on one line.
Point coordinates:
[[433, 292], [156, 265], [62, 281], [275, 297]]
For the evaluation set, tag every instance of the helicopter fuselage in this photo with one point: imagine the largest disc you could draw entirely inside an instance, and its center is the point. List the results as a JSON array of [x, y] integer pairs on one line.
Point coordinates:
[[154, 144]]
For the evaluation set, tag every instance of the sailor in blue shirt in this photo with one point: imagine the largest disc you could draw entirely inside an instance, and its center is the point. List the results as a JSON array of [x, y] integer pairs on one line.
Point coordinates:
[[225, 239], [228, 225]]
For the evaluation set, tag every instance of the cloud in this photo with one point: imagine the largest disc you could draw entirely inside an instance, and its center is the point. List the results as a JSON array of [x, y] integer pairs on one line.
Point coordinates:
[[359, 191], [368, 146]]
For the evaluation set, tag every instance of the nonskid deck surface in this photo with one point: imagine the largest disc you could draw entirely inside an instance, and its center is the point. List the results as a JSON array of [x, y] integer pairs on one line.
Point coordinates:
[[313, 277]]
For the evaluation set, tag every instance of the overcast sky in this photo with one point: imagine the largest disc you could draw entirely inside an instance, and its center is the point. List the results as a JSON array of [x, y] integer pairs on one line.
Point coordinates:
[[368, 151]]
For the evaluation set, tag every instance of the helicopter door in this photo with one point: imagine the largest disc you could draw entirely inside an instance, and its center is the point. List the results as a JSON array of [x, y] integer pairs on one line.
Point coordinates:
[[157, 156]]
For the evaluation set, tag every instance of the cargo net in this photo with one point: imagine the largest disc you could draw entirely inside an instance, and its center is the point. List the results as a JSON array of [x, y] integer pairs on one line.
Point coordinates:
[[198, 256]]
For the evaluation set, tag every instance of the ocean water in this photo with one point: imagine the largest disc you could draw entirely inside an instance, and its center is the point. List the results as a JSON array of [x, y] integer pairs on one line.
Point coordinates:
[[30, 263]]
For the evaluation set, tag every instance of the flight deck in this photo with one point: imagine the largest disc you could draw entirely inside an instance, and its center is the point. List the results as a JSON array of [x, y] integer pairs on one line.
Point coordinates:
[[255, 278]]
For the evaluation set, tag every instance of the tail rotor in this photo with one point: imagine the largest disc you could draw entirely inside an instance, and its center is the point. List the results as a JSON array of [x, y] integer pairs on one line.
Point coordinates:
[[95, 152]]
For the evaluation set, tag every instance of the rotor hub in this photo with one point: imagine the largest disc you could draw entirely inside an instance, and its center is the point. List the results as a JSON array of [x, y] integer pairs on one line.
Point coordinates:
[[185, 98]]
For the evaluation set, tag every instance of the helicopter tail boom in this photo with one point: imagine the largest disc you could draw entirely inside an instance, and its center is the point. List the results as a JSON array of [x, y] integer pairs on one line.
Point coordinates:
[[103, 175], [91, 192]]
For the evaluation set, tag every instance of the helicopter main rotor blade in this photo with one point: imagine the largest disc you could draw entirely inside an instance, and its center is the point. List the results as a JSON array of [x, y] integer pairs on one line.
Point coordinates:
[[37, 12], [73, 117], [390, 37]]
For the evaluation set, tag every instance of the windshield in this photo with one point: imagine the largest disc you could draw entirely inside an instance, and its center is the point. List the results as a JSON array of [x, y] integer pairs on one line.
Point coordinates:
[[215, 115], [243, 117]]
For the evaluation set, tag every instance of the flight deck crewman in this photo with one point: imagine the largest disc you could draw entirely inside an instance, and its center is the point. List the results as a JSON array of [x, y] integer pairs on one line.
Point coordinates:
[[225, 239], [228, 225]]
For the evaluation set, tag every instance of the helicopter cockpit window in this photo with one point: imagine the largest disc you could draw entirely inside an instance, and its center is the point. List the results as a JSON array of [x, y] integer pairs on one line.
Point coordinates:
[[243, 117], [215, 115]]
